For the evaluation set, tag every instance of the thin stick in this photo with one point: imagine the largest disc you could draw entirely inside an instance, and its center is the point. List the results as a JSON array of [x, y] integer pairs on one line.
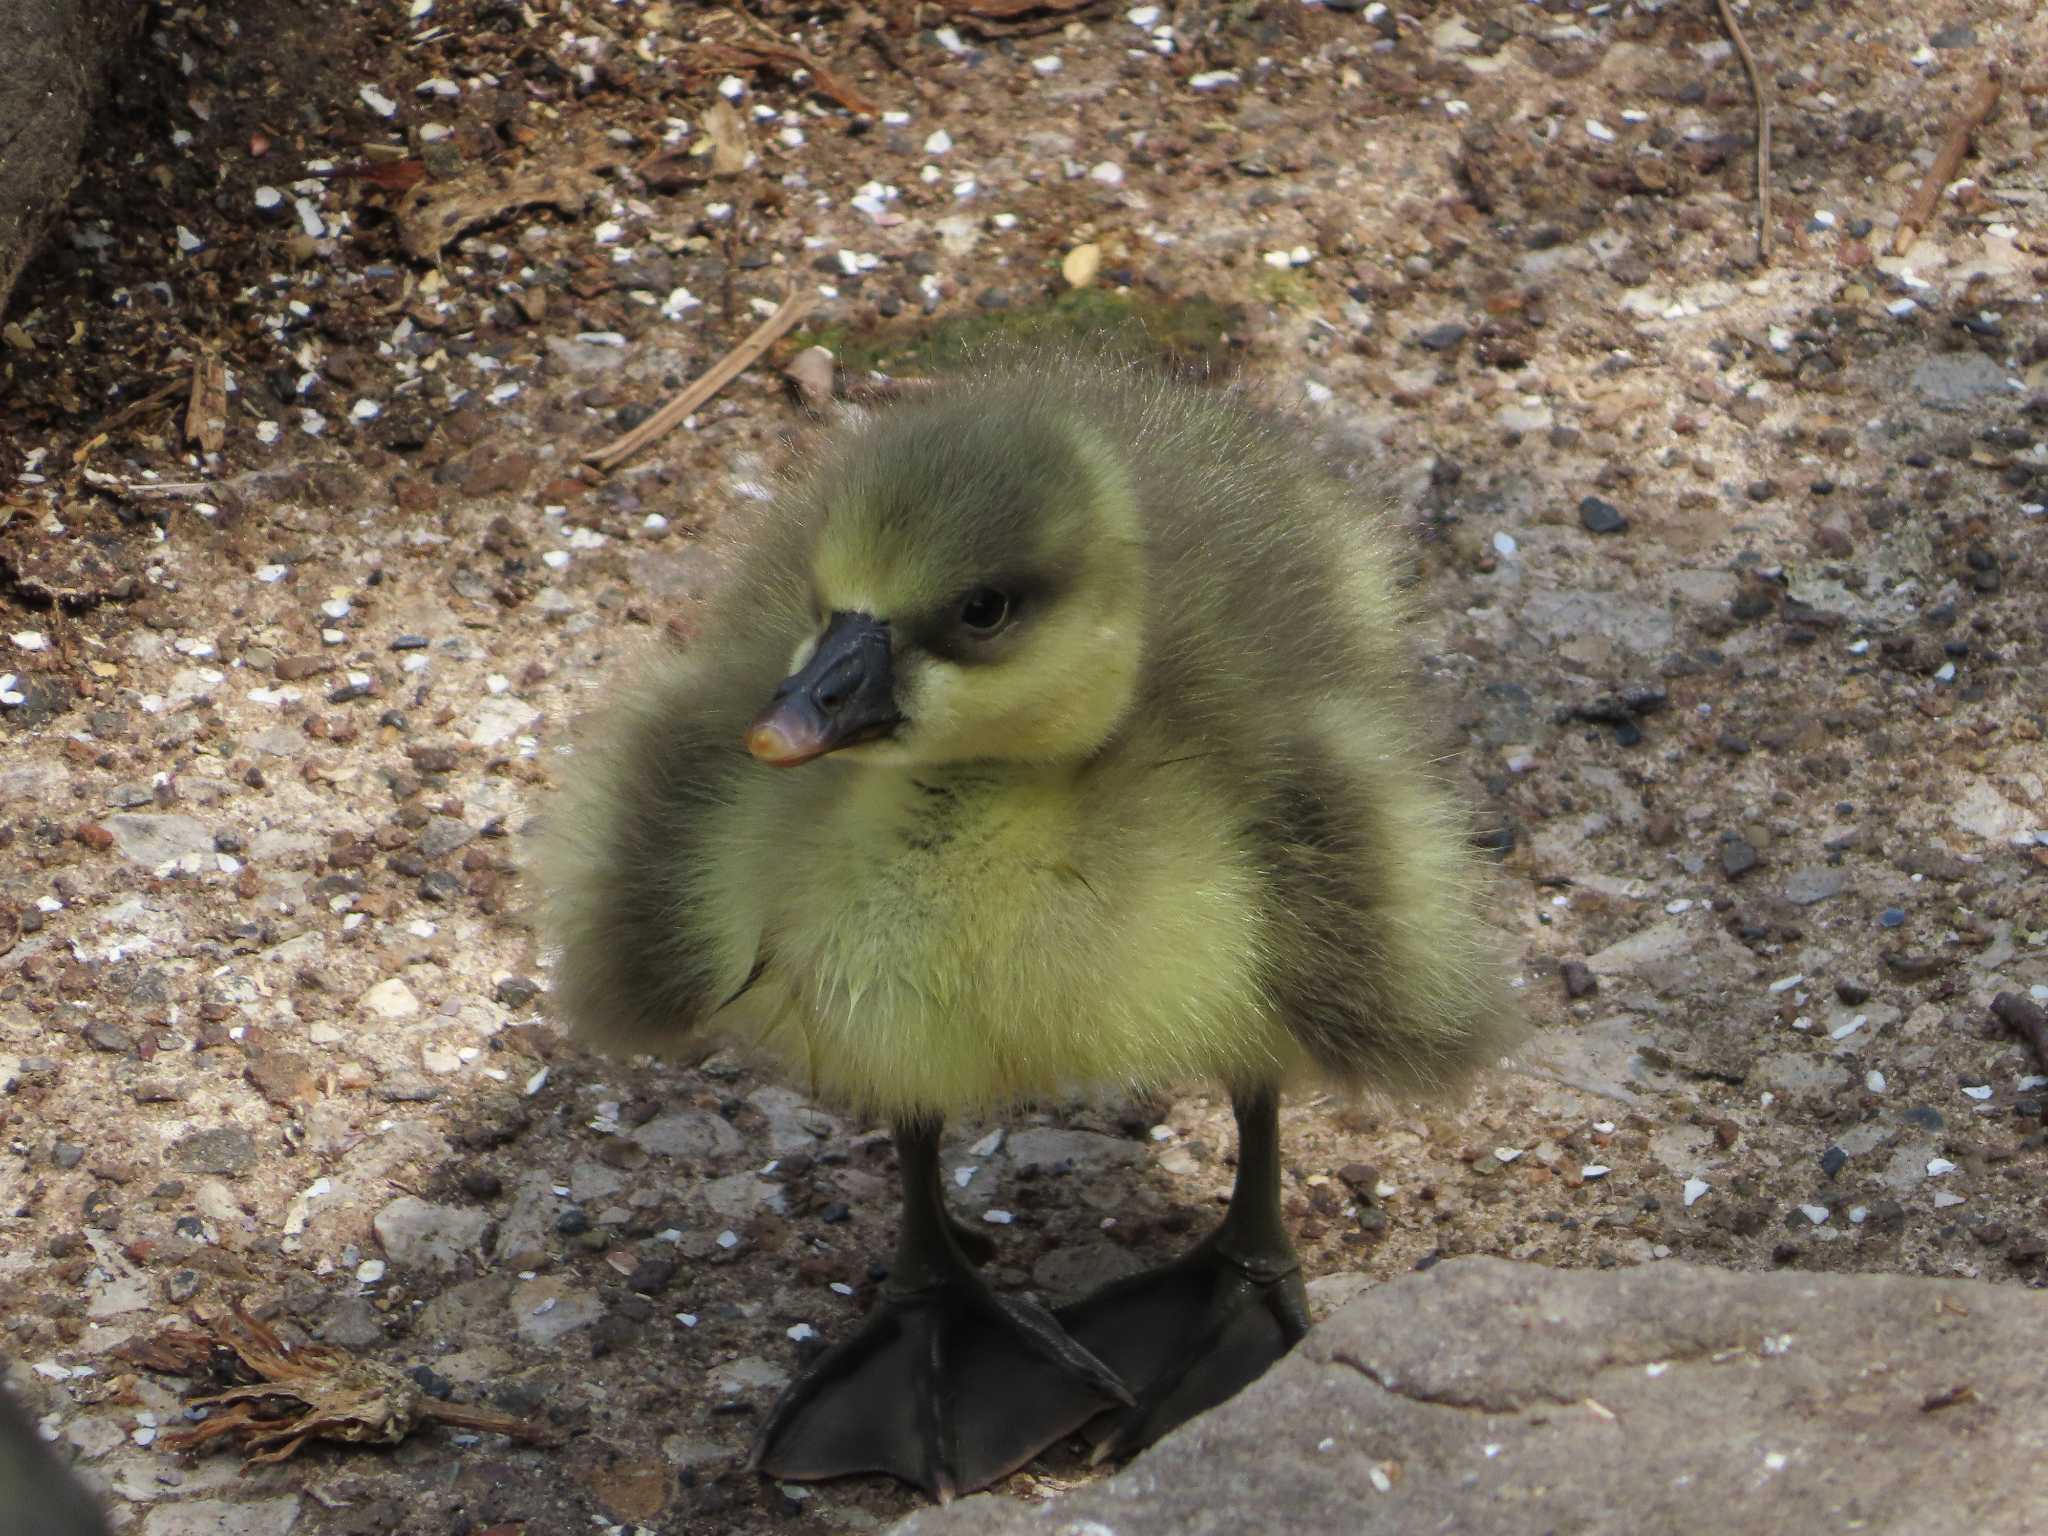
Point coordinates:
[[1763, 132], [728, 368], [1920, 206]]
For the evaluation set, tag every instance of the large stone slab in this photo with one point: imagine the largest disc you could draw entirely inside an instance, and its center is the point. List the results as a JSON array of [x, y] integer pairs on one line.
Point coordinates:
[[1496, 1399]]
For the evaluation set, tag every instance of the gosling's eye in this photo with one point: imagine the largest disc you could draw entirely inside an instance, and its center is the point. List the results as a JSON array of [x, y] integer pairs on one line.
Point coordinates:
[[985, 610]]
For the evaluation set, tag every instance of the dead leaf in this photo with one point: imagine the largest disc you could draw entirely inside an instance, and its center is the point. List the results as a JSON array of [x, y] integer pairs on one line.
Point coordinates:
[[173, 1352], [317, 1390], [436, 213]]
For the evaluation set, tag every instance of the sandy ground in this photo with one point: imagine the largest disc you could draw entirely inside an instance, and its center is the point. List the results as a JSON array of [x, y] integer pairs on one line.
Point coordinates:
[[1736, 575]]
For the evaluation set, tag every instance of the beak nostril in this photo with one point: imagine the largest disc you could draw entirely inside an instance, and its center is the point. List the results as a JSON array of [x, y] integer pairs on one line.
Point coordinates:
[[838, 685]]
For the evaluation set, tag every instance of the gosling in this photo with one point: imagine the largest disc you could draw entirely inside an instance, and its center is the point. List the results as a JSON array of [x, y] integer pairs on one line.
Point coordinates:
[[1059, 730]]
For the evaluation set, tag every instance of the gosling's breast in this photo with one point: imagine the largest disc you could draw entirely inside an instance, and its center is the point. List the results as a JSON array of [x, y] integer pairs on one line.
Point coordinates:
[[963, 938]]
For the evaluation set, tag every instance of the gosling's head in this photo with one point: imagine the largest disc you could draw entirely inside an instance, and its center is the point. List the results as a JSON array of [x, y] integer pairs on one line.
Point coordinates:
[[975, 590]]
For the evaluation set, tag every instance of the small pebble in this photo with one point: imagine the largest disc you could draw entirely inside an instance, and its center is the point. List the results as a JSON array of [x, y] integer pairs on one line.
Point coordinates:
[[1597, 516]]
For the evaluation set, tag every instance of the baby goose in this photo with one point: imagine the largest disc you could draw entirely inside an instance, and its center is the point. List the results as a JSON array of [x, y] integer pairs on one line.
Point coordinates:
[[1113, 772]]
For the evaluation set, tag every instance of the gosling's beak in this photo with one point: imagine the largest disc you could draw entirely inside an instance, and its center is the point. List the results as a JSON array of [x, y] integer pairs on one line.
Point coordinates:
[[845, 694]]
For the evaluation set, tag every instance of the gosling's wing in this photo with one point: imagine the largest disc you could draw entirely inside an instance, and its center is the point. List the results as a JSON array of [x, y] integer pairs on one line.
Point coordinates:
[[1382, 964], [630, 875], [621, 859], [1279, 646]]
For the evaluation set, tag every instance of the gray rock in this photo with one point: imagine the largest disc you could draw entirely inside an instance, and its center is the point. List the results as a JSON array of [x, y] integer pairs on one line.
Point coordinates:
[[590, 1180], [1326, 1293], [687, 1133], [417, 1234], [1672, 954], [1599, 516], [225, 1150], [1954, 379], [1558, 618], [688, 1455], [1054, 1150], [351, 1322], [1494, 1399], [154, 841], [740, 1197], [545, 1309], [223, 1517], [748, 1374], [585, 356], [1814, 883], [443, 835], [794, 1124], [523, 1234]]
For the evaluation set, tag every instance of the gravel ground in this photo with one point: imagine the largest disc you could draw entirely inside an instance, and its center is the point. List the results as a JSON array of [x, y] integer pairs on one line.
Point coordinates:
[[1737, 572]]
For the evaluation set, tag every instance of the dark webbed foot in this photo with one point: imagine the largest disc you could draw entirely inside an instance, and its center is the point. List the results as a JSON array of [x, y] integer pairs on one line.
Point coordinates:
[[948, 1385], [949, 1388], [1191, 1333], [1186, 1336]]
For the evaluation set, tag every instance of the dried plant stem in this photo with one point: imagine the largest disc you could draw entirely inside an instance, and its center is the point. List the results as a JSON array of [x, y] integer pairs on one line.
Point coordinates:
[[728, 368], [1947, 160], [1763, 131]]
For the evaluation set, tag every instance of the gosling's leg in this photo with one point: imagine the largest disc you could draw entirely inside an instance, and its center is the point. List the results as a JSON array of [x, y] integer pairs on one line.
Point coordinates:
[[1193, 1332], [947, 1385]]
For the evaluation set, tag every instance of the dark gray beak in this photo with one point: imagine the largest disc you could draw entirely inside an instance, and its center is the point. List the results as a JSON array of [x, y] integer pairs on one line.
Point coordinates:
[[845, 694]]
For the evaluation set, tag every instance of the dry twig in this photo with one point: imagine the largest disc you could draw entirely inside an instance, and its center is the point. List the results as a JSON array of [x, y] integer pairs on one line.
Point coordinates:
[[1763, 131], [1920, 206], [728, 368], [760, 48], [317, 1390], [128, 413]]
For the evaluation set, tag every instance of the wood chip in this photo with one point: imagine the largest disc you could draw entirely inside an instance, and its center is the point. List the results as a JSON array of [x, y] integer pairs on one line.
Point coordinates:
[[206, 408], [811, 372], [728, 135]]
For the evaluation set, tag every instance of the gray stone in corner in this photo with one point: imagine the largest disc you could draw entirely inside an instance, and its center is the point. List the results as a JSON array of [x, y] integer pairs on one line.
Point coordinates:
[[1497, 1399]]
